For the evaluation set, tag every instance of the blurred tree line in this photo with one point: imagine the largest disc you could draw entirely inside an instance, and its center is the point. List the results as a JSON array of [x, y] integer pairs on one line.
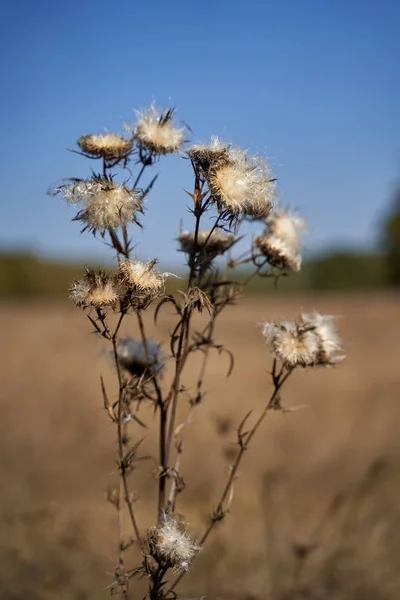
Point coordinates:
[[25, 276], [391, 241]]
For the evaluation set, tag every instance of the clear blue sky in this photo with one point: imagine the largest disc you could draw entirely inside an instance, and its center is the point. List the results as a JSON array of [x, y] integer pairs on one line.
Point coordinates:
[[312, 84]]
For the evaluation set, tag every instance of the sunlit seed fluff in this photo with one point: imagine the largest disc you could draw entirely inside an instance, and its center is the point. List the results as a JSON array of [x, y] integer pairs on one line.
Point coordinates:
[[104, 204], [79, 292], [205, 155], [215, 242], [287, 226], [171, 546], [96, 289], [280, 254], [135, 358], [156, 131], [242, 185], [109, 146], [311, 340], [142, 276], [292, 346], [330, 349], [79, 192]]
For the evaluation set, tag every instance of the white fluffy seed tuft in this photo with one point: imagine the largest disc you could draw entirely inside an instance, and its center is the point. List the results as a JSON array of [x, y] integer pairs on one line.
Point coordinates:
[[109, 146], [97, 289], [142, 276], [312, 340], [171, 545], [105, 205], [155, 131], [242, 185], [281, 241]]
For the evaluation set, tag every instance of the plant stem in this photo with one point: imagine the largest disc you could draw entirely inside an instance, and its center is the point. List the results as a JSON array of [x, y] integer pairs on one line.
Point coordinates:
[[163, 424], [220, 511]]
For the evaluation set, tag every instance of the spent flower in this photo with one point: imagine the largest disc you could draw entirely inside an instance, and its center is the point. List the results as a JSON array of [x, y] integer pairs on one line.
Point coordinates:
[[211, 242], [136, 358], [242, 185], [156, 131], [205, 155], [281, 241], [143, 277], [171, 545], [279, 253], [105, 205], [97, 289], [287, 225], [109, 146], [311, 340]]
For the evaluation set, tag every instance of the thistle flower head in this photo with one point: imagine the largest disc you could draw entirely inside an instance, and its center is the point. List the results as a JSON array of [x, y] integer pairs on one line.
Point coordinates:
[[155, 131], [135, 358], [205, 155], [97, 289], [211, 242], [279, 253], [312, 340], [142, 276], [293, 346], [109, 146], [281, 242], [171, 546], [105, 205], [242, 185], [330, 349], [287, 226]]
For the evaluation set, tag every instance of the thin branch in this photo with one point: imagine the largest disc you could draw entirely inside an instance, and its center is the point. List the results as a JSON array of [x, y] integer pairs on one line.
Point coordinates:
[[163, 423], [244, 441], [193, 404]]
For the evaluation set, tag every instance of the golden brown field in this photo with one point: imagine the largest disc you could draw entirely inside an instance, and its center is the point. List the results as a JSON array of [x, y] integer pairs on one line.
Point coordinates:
[[316, 510]]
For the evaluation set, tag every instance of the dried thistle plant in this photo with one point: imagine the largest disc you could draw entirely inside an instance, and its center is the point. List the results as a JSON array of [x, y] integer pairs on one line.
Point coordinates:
[[232, 187]]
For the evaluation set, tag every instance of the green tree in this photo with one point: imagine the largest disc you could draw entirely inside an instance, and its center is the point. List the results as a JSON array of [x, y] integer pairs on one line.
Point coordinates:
[[391, 241]]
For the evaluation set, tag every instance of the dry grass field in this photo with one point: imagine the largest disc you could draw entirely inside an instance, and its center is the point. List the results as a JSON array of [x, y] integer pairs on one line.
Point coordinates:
[[316, 510]]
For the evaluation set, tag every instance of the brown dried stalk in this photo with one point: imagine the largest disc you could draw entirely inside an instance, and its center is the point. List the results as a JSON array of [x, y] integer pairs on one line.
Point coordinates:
[[215, 186], [244, 439]]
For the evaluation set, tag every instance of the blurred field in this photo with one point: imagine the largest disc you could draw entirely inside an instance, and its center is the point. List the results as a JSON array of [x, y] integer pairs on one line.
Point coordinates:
[[315, 513]]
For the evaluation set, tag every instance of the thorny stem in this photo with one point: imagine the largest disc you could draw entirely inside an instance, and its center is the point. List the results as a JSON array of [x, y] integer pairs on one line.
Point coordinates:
[[144, 165], [163, 424], [180, 444], [210, 328], [243, 441], [124, 487], [182, 351], [157, 580], [120, 434], [194, 402]]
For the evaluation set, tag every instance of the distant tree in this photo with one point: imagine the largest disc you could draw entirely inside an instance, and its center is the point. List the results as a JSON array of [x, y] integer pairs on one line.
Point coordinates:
[[391, 240]]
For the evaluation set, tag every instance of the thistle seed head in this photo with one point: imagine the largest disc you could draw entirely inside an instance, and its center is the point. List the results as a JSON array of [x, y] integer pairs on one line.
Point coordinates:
[[155, 131], [312, 340], [109, 146], [132, 356], [287, 226], [105, 205], [205, 155], [97, 289], [142, 277], [279, 253], [242, 185], [281, 241], [171, 546], [330, 349], [213, 243]]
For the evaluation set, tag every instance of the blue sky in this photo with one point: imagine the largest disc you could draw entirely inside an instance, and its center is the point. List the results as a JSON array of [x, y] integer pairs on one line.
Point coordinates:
[[311, 84]]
